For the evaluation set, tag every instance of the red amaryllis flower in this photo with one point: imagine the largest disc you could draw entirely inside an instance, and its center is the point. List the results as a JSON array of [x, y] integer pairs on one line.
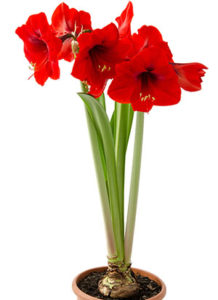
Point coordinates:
[[41, 47], [189, 75], [124, 21], [68, 24], [99, 52], [146, 80]]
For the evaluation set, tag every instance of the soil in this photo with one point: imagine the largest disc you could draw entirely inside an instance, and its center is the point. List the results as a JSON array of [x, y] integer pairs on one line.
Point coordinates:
[[148, 287]]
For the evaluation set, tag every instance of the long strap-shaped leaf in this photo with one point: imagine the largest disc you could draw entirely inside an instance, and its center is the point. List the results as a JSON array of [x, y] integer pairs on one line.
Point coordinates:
[[102, 187], [102, 125]]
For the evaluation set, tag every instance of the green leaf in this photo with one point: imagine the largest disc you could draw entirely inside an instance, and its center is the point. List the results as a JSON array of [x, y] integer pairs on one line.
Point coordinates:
[[102, 184], [129, 124], [112, 122], [101, 100], [103, 128]]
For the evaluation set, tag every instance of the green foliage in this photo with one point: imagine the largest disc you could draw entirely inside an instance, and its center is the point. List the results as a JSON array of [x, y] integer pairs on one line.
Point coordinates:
[[109, 139]]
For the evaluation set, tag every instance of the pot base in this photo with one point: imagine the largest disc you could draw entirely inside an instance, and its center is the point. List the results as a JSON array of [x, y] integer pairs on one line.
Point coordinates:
[[152, 287]]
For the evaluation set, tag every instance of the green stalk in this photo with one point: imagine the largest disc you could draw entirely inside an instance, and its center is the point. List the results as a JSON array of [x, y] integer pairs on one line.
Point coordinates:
[[123, 116], [134, 187], [121, 119], [100, 173]]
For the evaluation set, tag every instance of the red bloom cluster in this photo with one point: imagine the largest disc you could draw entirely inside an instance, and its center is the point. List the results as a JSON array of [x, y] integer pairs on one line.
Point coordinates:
[[45, 44], [150, 76], [140, 65]]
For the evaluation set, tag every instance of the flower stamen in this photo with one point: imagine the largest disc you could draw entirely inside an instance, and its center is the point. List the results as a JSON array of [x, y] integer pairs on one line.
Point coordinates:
[[32, 66], [147, 97], [104, 68]]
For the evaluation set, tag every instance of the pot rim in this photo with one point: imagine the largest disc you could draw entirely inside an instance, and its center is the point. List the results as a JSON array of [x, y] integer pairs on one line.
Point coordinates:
[[85, 296]]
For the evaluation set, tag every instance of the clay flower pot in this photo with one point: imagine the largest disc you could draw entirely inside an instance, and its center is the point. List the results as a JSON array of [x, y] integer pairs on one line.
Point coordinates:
[[82, 296]]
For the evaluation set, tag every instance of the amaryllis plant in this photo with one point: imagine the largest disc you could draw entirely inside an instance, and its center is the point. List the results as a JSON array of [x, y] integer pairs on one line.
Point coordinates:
[[143, 74]]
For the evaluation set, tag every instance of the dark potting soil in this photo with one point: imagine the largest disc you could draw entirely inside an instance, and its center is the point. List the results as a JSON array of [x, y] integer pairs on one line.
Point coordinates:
[[148, 287]]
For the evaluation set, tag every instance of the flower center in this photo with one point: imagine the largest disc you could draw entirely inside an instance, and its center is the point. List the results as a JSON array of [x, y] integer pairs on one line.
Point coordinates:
[[97, 54]]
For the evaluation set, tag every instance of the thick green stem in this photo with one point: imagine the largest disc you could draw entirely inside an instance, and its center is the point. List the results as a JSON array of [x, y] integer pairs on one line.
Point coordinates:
[[121, 120], [134, 187], [123, 116]]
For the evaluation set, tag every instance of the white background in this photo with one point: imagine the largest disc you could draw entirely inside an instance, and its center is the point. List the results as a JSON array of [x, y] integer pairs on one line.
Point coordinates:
[[51, 226]]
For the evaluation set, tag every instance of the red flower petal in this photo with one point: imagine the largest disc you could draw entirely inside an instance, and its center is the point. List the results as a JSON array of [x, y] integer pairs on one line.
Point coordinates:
[[166, 91], [60, 19], [98, 89], [107, 36], [83, 21], [123, 86], [55, 71], [146, 107], [35, 49], [189, 75], [124, 21], [38, 23], [69, 20], [66, 50], [149, 36]]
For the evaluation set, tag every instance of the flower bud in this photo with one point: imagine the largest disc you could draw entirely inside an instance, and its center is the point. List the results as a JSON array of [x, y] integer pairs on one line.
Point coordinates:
[[75, 47]]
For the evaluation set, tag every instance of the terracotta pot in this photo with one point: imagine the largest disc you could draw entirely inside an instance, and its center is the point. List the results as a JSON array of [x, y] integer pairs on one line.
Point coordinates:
[[82, 296]]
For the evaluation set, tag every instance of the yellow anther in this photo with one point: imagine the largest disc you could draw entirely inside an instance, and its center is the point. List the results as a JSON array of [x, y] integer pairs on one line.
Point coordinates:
[[32, 66], [104, 68], [147, 97]]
